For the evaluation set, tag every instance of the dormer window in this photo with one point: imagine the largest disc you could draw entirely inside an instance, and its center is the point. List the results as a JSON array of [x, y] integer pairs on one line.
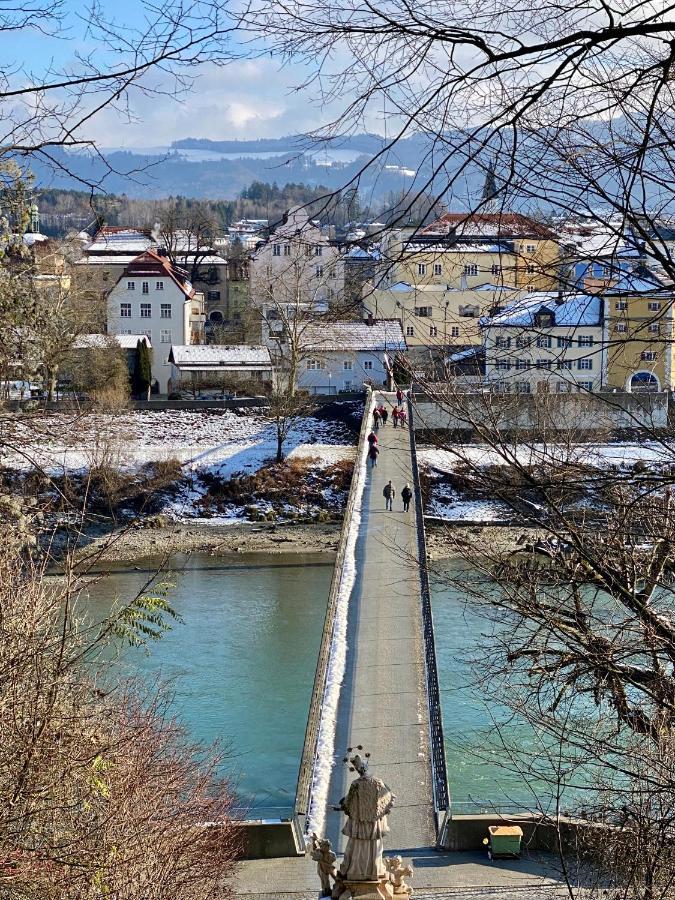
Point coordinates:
[[544, 318]]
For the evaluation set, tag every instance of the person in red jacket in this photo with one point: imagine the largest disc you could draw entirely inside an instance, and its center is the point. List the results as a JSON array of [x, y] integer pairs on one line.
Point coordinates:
[[373, 453]]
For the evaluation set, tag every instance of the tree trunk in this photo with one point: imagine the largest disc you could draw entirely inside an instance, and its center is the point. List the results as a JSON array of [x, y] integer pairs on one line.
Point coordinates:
[[280, 447]]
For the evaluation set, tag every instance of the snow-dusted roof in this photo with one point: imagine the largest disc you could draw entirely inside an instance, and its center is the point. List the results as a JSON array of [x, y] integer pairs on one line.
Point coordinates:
[[95, 341], [640, 281], [383, 334], [487, 224], [458, 249], [570, 310], [220, 356]]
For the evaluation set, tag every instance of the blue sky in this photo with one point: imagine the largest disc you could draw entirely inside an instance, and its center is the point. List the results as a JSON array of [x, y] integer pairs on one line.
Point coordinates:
[[245, 99]]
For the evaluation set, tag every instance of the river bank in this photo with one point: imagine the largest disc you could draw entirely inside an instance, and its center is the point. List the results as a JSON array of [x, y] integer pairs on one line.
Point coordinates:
[[132, 543]]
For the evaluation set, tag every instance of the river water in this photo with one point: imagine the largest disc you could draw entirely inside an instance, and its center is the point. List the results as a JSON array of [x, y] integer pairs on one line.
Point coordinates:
[[241, 667]]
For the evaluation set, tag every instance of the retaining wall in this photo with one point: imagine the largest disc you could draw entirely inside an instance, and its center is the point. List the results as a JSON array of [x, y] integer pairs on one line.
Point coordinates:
[[540, 412]]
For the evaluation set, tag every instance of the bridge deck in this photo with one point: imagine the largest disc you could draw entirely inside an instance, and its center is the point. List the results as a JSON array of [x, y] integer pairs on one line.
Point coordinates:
[[383, 701]]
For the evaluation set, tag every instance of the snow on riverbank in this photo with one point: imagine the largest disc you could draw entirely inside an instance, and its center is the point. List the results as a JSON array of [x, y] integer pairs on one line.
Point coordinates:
[[222, 442], [599, 455]]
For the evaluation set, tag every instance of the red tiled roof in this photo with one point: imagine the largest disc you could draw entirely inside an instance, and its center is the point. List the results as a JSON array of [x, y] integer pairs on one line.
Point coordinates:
[[151, 264], [499, 224]]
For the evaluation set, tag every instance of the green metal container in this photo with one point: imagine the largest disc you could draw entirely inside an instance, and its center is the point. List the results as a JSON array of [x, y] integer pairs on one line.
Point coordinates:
[[504, 840]]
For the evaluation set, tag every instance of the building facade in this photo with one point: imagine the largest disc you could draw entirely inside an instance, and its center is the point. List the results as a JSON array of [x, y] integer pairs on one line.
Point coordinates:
[[155, 298], [546, 342]]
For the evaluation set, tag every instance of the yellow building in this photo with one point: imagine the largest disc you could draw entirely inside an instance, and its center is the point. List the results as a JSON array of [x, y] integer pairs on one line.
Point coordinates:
[[434, 315], [465, 251], [639, 333]]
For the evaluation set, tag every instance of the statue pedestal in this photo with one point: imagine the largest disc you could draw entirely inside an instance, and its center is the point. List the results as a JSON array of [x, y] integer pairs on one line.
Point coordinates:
[[363, 890]]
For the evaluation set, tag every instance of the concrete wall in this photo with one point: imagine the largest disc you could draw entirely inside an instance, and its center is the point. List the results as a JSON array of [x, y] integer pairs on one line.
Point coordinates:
[[467, 832], [545, 412], [271, 839]]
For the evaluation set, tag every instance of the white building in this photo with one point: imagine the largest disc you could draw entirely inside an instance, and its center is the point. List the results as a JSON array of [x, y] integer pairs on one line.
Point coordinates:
[[219, 364], [546, 342], [341, 356], [154, 298]]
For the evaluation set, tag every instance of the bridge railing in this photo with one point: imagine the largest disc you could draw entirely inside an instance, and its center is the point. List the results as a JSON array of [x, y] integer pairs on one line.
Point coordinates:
[[304, 786], [438, 762]]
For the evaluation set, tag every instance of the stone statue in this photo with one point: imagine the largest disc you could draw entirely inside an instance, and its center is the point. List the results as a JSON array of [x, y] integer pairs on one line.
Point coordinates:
[[324, 857], [398, 874], [366, 805]]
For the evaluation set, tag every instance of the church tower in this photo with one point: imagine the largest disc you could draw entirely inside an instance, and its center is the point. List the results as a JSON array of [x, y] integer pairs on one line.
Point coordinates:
[[489, 200]]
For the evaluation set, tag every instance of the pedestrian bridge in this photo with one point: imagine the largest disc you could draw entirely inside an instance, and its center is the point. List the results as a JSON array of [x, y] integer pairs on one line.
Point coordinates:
[[376, 682]]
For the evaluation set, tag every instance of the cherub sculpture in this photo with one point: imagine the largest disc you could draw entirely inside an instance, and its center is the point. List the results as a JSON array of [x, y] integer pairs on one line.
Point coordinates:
[[398, 874], [322, 853]]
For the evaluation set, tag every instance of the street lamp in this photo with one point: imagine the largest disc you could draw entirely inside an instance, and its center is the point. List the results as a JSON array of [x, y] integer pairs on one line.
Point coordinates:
[[330, 390]]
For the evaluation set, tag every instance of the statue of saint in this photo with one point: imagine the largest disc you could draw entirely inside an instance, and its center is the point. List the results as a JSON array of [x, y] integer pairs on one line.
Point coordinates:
[[366, 805]]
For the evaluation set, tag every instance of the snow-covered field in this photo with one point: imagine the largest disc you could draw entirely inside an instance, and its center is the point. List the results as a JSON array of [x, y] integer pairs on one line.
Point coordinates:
[[224, 443], [599, 455]]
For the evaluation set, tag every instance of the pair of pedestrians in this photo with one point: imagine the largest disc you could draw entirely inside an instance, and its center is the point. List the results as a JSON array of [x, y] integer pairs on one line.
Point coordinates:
[[389, 493], [373, 449]]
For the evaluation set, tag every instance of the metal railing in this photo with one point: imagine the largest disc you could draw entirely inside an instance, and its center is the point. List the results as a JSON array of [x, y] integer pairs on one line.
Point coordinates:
[[304, 786], [438, 763]]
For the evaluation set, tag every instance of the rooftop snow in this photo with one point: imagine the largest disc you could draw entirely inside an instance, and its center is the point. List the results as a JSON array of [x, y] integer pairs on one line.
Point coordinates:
[[576, 310], [383, 334], [219, 355], [125, 341]]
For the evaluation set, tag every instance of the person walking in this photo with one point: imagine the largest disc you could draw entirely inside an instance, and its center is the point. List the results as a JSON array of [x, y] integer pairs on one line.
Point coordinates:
[[372, 438], [384, 413], [389, 493], [376, 418], [402, 419], [373, 453], [394, 416], [406, 496], [399, 397]]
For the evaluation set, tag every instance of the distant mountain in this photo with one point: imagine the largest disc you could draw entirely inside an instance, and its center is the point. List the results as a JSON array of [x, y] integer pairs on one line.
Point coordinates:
[[293, 143]]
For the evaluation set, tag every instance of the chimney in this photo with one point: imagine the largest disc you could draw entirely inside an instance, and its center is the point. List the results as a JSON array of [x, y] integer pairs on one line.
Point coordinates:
[[370, 320], [161, 251]]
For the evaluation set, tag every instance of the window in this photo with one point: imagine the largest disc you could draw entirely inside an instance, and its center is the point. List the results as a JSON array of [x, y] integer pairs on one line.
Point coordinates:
[[213, 296], [530, 248], [196, 311], [621, 327], [318, 251], [503, 343], [268, 271], [564, 364], [584, 364], [522, 387], [423, 311], [649, 355], [409, 331], [565, 342], [471, 269], [146, 287], [495, 269], [454, 331], [438, 269], [503, 387], [131, 285], [287, 249], [125, 310], [330, 294], [585, 340], [165, 336], [164, 310], [148, 334], [315, 364], [421, 268], [544, 341], [585, 385], [529, 268], [654, 328], [523, 342], [522, 364], [433, 331], [653, 306], [159, 285], [543, 363], [276, 250], [502, 365], [621, 305], [318, 271], [146, 310], [347, 365], [368, 365], [563, 387]]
